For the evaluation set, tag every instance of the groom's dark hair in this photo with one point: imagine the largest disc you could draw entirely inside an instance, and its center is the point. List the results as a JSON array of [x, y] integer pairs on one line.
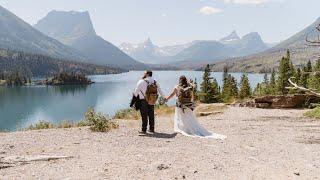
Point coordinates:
[[149, 73]]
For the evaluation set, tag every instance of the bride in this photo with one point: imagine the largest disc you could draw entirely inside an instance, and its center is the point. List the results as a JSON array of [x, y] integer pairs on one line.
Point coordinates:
[[185, 121]]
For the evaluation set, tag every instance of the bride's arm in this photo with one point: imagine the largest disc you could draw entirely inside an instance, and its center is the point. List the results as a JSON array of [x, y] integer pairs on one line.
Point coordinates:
[[192, 96], [172, 94]]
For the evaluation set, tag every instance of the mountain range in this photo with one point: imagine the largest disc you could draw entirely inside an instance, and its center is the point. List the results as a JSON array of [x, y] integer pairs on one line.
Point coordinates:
[[62, 35], [15, 34], [200, 50], [71, 36], [299, 39], [75, 29], [269, 59], [147, 52]]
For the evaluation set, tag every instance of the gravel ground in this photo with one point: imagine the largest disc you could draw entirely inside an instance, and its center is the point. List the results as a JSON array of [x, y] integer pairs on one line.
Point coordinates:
[[261, 144]]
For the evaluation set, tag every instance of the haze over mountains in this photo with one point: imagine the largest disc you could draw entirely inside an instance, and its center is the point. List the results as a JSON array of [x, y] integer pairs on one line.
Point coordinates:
[[200, 50], [267, 60], [147, 52], [75, 29], [15, 34], [71, 36], [299, 40]]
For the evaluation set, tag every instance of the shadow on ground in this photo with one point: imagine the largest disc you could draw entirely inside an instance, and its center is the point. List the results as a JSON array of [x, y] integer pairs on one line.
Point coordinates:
[[160, 135]]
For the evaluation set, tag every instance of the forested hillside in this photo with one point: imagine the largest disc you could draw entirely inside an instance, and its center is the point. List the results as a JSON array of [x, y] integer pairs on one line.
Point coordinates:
[[75, 29], [18, 35], [32, 65]]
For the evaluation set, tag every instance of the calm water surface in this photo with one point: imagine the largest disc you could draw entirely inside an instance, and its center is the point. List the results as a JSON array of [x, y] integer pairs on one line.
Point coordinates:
[[22, 106]]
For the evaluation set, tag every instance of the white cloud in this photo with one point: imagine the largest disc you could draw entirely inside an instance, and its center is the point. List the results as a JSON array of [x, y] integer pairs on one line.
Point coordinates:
[[208, 10], [250, 1]]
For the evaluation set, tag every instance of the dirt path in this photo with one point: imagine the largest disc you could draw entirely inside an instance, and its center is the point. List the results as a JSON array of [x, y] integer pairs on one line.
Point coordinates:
[[261, 144]]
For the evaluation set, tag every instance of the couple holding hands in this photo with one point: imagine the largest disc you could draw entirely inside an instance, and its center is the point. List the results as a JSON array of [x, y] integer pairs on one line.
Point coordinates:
[[185, 121]]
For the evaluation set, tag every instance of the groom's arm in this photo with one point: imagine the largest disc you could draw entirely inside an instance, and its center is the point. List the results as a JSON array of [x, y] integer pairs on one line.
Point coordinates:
[[138, 89], [160, 91]]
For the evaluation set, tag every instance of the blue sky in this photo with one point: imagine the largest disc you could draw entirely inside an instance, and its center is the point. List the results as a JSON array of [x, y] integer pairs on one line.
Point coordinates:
[[169, 22]]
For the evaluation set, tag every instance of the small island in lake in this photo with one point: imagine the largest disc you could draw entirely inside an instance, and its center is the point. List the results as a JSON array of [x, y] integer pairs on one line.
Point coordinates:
[[14, 79], [68, 79]]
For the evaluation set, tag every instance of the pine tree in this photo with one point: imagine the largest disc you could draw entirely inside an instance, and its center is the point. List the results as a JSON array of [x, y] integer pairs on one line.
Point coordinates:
[[314, 82], [230, 89], [303, 81], [225, 73], [266, 79], [214, 91], [225, 90], [234, 86], [288, 56], [285, 72], [317, 66], [293, 70], [209, 88], [314, 78], [272, 84], [195, 89], [245, 89], [257, 90], [309, 67], [298, 75], [206, 79]]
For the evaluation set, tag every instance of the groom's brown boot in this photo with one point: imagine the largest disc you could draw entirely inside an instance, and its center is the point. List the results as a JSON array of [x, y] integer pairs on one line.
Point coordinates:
[[152, 130]]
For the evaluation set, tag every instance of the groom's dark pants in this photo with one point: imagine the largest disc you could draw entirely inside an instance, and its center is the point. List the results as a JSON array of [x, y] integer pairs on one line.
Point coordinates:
[[147, 113]]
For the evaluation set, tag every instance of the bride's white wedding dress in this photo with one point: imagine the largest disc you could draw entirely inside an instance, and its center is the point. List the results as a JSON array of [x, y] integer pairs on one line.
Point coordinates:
[[186, 123]]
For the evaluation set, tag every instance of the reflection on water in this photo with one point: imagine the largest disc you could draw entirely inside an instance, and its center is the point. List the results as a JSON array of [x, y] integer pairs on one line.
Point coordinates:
[[70, 89], [22, 106]]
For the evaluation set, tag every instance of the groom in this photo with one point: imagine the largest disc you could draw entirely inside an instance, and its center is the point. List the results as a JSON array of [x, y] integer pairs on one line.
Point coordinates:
[[147, 89]]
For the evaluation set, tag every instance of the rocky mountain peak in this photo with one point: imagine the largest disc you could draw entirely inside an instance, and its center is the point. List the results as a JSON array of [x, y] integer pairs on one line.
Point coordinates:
[[61, 24], [232, 37], [148, 43], [252, 35]]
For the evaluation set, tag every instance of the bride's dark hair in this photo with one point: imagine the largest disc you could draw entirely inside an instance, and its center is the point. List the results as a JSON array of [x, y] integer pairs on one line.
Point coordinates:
[[183, 81]]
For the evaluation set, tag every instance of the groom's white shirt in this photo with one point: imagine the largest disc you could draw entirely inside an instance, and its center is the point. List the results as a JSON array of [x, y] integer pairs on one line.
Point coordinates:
[[142, 87]]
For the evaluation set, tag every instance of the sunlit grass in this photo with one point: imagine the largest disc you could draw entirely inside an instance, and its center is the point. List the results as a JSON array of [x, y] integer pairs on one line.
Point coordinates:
[[2, 82], [314, 113], [132, 114], [164, 110]]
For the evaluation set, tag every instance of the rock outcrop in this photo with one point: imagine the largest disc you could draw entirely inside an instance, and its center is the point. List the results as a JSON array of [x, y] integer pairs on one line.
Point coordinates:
[[279, 102]]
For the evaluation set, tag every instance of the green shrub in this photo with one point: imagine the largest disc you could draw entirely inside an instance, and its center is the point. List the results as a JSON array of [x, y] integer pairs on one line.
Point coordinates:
[[41, 125], [315, 113], [83, 123], [99, 122], [66, 124], [127, 114]]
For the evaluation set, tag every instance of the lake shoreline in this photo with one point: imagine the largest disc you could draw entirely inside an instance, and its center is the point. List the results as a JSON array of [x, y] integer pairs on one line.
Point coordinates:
[[109, 94]]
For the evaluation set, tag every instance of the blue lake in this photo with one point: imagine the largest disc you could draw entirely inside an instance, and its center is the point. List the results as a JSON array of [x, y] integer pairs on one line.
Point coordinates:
[[23, 106]]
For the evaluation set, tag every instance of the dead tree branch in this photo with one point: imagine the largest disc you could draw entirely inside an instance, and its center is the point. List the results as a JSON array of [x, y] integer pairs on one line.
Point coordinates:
[[315, 73], [297, 87]]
